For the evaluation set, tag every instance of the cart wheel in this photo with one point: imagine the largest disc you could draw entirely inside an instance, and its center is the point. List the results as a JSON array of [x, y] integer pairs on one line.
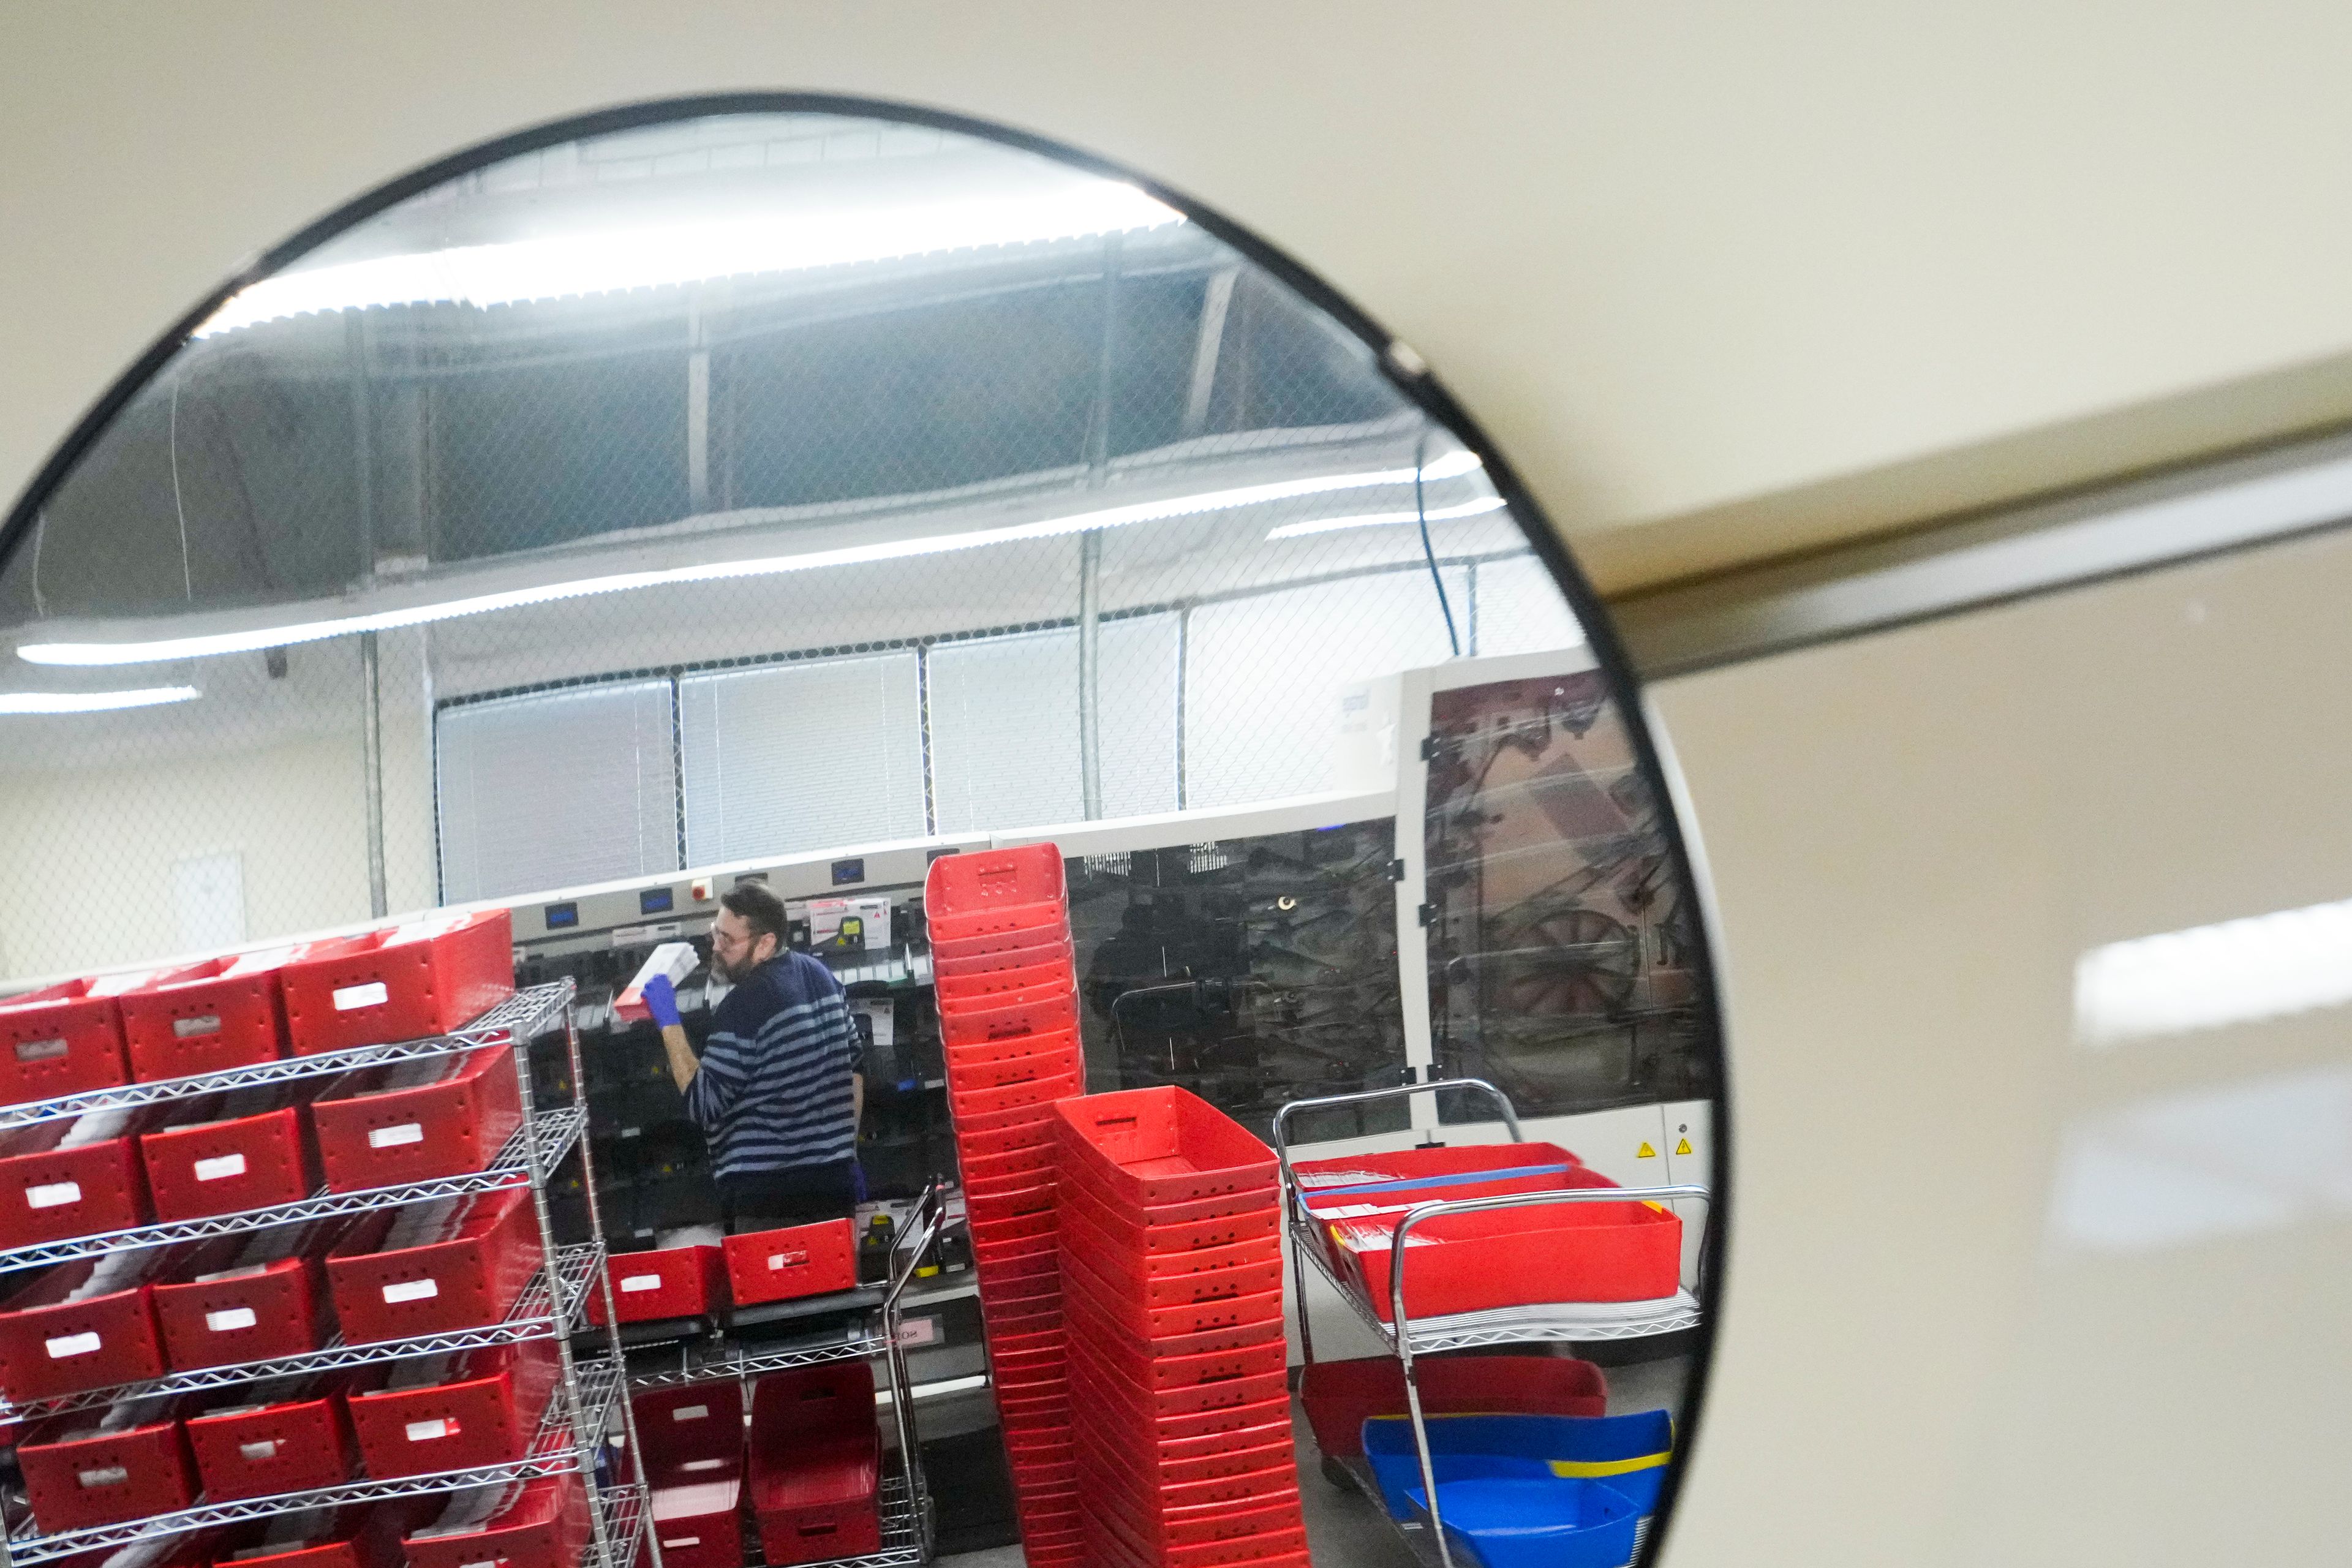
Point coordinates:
[[1336, 1474]]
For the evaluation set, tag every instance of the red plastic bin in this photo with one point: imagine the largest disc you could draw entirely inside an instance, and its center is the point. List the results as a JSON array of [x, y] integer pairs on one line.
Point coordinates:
[[1148, 1322], [956, 990], [815, 1463], [1039, 1012], [236, 1162], [88, 1469], [1258, 1221], [253, 1298], [794, 1261], [432, 1268], [1407, 1176], [1152, 1146], [264, 1446], [67, 1178], [455, 1412], [82, 1325], [669, 1282], [359, 1537], [1120, 1289], [1262, 1322], [1340, 1396], [539, 1524], [1510, 1257], [388, 1126], [990, 891], [409, 982], [993, 955], [1080, 1235], [1034, 1094], [692, 1443], [1035, 1164], [207, 1017], [61, 1039]]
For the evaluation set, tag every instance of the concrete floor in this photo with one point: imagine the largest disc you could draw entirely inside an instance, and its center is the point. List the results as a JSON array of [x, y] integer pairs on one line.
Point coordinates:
[[1347, 1530]]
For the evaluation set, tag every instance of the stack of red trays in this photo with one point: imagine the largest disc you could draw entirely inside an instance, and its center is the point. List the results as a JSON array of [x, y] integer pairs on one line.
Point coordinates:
[[1171, 1273], [1001, 959]]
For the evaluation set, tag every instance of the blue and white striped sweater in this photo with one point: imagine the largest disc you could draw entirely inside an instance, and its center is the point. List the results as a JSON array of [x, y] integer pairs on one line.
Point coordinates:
[[773, 1091]]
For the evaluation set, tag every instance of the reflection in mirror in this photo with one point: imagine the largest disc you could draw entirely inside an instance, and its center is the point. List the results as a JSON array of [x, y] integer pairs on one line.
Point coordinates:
[[803, 498]]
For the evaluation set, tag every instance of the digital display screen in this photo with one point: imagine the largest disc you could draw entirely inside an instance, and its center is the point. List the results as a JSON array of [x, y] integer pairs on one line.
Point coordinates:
[[654, 902], [845, 872], [561, 915]]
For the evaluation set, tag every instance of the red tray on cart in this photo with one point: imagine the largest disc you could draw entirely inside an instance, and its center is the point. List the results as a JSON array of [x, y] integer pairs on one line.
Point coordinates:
[[1035, 1094], [229, 1166], [1004, 1132], [360, 1537], [89, 1470], [262, 1446], [669, 1282], [1407, 1176], [974, 987], [1080, 1315], [815, 1463], [1035, 1164], [409, 982], [432, 1268], [1059, 1059], [82, 1325], [1081, 1235], [1158, 1292], [693, 1445], [207, 1017], [1153, 1324], [67, 1178], [455, 1413], [539, 1524], [414, 1121], [245, 1299], [61, 1039], [1340, 1396], [1209, 1458], [1475, 1262], [1143, 1147]]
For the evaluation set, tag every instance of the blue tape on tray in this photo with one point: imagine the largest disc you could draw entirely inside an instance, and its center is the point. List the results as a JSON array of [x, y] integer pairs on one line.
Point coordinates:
[[1628, 1454], [1451, 1179]]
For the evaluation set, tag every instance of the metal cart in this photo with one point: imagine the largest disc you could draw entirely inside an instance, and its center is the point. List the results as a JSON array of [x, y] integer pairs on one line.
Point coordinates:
[[871, 1333], [582, 1411], [1549, 1323]]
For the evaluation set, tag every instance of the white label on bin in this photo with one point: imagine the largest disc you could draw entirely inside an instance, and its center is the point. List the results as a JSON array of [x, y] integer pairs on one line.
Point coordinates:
[[486, 1563], [107, 1476], [705, 1464], [394, 1137], [426, 1431], [672, 1544], [412, 1290], [373, 995], [220, 1167], [39, 1050], [642, 1282], [258, 1451], [53, 1193], [189, 1029], [71, 1345], [230, 1321], [690, 1413], [779, 1261]]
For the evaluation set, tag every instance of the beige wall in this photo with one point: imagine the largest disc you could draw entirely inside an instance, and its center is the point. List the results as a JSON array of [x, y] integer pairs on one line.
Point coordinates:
[[1996, 1300], [1722, 277]]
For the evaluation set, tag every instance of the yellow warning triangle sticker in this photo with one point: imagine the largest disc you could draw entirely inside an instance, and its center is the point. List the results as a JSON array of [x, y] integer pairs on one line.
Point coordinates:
[[1683, 1147], [1646, 1152]]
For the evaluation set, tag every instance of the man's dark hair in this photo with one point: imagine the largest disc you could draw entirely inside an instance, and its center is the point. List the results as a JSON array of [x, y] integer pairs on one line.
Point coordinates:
[[758, 908]]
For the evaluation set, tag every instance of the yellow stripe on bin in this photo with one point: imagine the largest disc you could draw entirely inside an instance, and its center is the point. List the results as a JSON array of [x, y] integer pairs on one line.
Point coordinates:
[[1592, 1469]]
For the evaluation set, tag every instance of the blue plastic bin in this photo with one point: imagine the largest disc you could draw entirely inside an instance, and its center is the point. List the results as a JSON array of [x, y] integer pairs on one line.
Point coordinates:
[[1554, 1522], [1628, 1453]]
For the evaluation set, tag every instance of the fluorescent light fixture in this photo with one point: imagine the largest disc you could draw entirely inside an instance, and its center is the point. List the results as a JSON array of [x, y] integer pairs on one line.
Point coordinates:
[[2208, 977], [93, 701], [257, 638], [1376, 519], [653, 256]]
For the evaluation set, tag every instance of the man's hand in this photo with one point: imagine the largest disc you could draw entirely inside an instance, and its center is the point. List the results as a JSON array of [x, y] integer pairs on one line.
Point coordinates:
[[661, 1001]]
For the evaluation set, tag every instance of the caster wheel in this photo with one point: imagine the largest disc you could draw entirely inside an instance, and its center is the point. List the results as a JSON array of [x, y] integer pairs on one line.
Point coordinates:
[[1336, 1474]]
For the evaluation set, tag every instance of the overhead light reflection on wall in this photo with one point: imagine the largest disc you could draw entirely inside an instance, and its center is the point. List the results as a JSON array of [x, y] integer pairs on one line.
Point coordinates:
[[2207, 977], [94, 701]]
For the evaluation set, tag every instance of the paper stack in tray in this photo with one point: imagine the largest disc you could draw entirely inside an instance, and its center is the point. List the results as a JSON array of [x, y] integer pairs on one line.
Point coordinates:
[[1171, 1280], [1000, 959]]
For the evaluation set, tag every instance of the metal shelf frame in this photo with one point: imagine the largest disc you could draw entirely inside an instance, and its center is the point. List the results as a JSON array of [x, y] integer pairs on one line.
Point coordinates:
[[1552, 1322], [535, 1315], [584, 1410], [904, 1499], [529, 1159], [523, 1016]]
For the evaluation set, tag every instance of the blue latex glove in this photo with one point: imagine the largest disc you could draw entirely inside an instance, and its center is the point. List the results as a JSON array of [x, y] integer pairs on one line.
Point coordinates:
[[661, 1001]]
